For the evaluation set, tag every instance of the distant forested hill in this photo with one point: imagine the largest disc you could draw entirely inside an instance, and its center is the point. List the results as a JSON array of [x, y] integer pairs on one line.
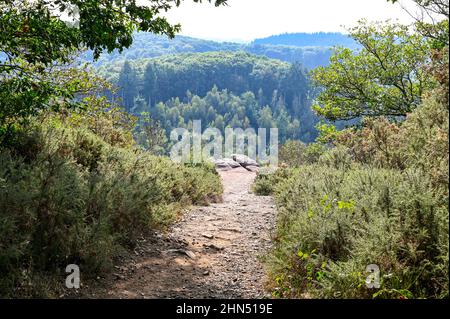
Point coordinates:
[[254, 90], [319, 39], [261, 84], [146, 45]]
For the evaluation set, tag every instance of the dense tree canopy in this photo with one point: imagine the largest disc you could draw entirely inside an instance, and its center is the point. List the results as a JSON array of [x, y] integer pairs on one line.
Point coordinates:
[[127, 82], [282, 88], [222, 109], [385, 77], [172, 76]]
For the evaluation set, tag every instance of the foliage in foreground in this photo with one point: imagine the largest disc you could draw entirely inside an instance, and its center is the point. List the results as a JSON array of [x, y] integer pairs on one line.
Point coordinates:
[[39, 36], [69, 196], [380, 196], [333, 223]]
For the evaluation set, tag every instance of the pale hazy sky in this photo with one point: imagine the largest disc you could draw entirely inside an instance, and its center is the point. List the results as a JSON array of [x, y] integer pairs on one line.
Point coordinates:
[[249, 19]]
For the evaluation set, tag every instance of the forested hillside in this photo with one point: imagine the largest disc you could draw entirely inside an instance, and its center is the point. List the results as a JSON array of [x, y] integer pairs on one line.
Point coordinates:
[[318, 39], [255, 91], [311, 53]]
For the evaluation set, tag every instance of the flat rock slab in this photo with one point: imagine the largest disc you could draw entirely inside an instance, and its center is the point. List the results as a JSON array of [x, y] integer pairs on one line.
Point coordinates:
[[226, 164], [244, 160], [237, 161]]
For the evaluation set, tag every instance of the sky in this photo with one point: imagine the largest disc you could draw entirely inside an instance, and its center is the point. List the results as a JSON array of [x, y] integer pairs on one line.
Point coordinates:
[[245, 20]]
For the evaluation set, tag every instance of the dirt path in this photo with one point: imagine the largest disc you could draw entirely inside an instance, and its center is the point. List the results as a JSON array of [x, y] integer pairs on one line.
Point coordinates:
[[213, 252]]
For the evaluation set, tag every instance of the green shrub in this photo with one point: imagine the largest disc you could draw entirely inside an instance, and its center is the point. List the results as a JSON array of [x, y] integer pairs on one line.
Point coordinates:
[[379, 196], [338, 158], [68, 196], [332, 223], [266, 181], [296, 153], [421, 141], [263, 186]]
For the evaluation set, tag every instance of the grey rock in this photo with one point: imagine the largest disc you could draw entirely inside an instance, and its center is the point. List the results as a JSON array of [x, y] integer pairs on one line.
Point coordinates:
[[253, 168], [244, 160], [222, 166], [226, 164]]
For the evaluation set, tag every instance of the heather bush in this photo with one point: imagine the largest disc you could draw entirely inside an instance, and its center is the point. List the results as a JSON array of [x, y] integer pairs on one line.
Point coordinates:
[[263, 185], [296, 153], [379, 196], [333, 223], [69, 195], [425, 139], [266, 181]]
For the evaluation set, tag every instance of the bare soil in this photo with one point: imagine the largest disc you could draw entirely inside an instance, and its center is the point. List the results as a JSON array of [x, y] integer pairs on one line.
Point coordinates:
[[212, 252]]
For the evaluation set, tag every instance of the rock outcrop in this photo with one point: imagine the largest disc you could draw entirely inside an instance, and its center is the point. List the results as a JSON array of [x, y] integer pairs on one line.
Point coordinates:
[[226, 164], [237, 161]]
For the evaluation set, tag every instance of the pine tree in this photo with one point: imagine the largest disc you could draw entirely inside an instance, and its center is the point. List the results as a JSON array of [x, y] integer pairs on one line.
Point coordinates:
[[149, 89], [128, 86]]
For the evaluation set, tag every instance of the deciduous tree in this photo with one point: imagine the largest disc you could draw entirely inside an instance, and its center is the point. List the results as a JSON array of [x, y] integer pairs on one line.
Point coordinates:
[[385, 77]]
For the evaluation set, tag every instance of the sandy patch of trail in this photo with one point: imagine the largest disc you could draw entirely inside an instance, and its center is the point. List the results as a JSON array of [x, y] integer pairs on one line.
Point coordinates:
[[212, 252]]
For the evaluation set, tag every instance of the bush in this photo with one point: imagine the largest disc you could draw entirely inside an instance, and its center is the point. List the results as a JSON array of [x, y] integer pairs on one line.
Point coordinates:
[[68, 196], [296, 153], [421, 141], [333, 223], [379, 196], [266, 181], [377, 143]]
